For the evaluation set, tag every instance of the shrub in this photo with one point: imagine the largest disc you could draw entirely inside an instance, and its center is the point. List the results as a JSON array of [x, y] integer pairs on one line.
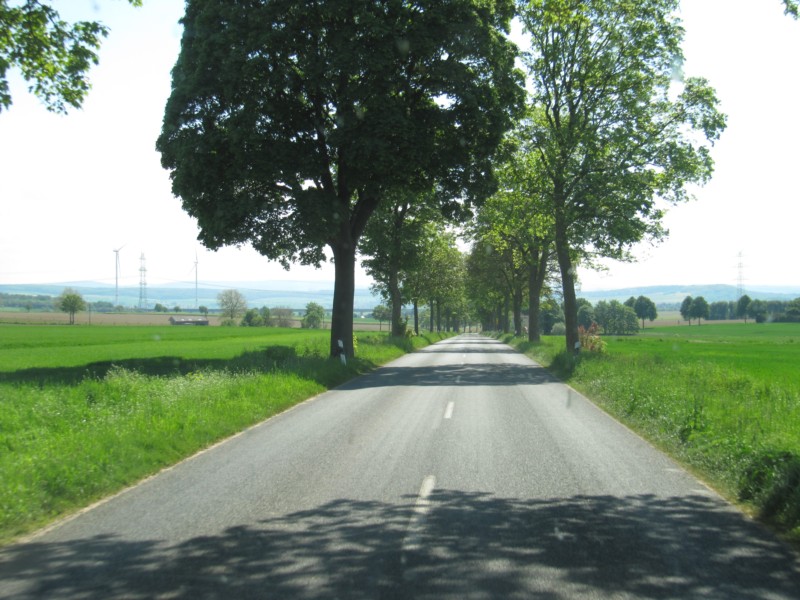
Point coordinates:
[[590, 339]]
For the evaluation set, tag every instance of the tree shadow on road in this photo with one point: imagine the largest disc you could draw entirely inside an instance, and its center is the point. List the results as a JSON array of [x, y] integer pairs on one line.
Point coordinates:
[[470, 344], [470, 545], [473, 374]]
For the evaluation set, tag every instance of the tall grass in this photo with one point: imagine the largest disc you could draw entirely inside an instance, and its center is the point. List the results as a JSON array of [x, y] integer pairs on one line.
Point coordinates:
[[73, 431], [723, 399]]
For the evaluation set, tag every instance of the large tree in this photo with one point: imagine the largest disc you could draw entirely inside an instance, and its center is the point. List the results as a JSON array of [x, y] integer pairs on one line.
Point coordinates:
[[52, 55], [314, 317], [645, 309], [393, 246], [614, 131], [487, 288], [70, 301], [699, 309], [440, 280], [290, 122], [516, 224], [232, 304]]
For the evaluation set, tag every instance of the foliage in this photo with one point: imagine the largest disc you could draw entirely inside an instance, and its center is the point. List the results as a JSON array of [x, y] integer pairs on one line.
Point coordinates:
[[252, 318], [266, 316], [283, 317], [516, 227], [616, 318], [394, 244], [741, 307], [381, 313], [53, 56], [488, 286], [721, 311], [698, 309], [586, 316], [550, 313], [38, 302], [686, 308], [290, 123], [441, 279], [757, 310], [590, 339], [612, 131], [793, 311], [645, 309], [314, 317], [232, 304], [70, 301]]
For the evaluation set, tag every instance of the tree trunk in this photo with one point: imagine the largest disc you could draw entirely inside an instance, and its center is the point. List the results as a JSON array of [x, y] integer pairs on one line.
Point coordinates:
[[568, 288], [398, 327], [536, 277], [517, 304], [431, 319], [416, 317], [344, 257]]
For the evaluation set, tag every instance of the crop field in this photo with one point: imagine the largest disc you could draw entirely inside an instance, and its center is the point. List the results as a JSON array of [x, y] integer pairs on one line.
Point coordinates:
[[723, 399], [21, 317], [86, 411]]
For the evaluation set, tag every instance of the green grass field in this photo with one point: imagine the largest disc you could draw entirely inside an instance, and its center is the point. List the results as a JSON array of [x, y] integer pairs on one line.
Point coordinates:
[[724, 399], [86, 411]]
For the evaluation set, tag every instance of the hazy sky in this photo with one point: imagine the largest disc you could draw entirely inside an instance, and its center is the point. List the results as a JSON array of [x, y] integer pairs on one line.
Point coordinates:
[[74, 188]]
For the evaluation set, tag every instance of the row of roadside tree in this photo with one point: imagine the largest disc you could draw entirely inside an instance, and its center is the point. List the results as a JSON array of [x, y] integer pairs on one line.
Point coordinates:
[[744, 308], [314, 131]]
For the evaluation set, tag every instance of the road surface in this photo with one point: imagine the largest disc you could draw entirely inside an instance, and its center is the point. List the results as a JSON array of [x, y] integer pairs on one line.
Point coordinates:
[[460, 471]]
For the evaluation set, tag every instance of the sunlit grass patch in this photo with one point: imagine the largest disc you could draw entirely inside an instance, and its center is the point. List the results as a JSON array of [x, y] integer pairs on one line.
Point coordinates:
[[75, 426]]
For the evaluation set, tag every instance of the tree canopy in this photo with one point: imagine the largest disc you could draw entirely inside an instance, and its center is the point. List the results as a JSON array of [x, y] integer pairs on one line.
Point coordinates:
[[70, 301], [394, 245], [289, 123], [645, 309], [699, 309], [232, 304], [314, 317], [53, 56], [516, 226], [613, 130]]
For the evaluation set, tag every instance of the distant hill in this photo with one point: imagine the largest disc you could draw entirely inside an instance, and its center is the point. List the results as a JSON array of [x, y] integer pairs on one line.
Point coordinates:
[[296, 294], [288, 294], [674, 294]]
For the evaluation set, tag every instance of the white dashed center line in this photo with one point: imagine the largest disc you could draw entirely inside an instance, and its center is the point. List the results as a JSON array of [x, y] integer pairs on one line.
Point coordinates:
[[448, 412], [416, 523]]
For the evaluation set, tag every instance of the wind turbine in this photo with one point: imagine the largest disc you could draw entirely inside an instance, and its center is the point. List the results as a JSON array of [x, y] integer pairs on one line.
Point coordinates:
[[116, 277]]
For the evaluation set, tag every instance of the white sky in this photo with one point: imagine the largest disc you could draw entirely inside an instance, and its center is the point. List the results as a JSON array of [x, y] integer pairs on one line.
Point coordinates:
[[74, 188]]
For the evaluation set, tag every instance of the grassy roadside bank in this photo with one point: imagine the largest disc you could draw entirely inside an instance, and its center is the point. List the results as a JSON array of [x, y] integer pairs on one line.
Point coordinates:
[[722, 399], [85, 414]]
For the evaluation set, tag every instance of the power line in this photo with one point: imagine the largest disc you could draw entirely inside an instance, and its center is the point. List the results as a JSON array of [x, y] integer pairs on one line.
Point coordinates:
[[740, 277], [142, 284]]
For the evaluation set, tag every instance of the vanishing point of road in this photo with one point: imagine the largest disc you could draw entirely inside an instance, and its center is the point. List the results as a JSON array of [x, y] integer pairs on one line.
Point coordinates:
[[460, 471]]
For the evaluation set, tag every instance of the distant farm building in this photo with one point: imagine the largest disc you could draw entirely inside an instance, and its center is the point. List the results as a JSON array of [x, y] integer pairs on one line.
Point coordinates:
[[188, 320]]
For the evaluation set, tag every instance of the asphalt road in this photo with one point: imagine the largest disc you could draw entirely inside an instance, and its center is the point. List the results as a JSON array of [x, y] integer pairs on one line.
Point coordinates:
[[461, 471]]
